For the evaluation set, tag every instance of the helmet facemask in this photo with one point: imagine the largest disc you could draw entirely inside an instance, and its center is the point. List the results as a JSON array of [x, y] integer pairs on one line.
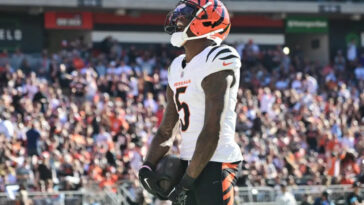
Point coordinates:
[[187, 11]]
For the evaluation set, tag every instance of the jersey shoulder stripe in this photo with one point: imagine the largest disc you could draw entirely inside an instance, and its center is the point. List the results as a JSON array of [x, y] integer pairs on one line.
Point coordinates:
[[223, 52], [229, 57], [211, 51], [226, 50]]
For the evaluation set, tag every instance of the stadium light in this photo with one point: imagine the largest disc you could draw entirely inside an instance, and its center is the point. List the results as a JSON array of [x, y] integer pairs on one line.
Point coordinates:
[[355, 17], [286, 50], [254, 191], [120, 12]]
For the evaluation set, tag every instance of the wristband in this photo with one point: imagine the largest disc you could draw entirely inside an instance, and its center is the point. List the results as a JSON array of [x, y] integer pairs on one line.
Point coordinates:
[[148, 165]]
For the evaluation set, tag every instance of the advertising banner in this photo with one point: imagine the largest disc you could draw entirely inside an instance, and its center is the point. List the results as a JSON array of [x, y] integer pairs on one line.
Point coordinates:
[[21, 31], [306, 25], [68, 20], [11, 34]]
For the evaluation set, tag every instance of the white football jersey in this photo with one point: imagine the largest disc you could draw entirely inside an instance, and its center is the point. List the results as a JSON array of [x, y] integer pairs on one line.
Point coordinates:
[[185, 81]]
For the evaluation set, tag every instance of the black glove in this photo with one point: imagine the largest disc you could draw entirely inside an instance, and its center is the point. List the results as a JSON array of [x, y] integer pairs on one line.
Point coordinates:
[[178, 194], [148, 178]]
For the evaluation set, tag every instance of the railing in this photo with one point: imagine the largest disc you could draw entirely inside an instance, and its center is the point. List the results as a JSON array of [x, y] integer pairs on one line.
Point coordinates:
[[268, 195], [56, 198], [245, 196], [65, 198]]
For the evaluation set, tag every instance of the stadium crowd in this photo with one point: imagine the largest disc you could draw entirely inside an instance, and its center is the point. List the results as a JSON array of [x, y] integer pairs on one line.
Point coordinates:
[[87, 114]]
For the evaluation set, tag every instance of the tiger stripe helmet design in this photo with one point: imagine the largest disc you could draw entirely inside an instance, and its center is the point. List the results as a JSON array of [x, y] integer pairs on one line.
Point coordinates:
[[208, 18]]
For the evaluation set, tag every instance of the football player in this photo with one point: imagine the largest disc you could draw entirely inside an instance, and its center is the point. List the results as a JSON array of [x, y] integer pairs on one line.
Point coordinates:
[[202, 94]]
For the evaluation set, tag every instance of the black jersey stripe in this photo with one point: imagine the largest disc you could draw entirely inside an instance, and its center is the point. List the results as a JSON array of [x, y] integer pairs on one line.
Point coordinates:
[[227, 190], [211, 51], [226, 50], [234, 81], [229, 57], [183, 63]]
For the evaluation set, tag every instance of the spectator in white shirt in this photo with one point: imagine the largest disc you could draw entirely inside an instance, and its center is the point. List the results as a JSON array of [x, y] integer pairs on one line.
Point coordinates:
[[359, 72], [125, 68], [297, 83], [112, 67], [310, 84], [149, 102], [6, 127], [267, 101], [352, 51], [286, 198], [344, 92], [103, 136]]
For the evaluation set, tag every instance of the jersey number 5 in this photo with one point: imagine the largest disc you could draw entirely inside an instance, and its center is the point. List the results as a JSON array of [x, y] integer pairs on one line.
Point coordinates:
[[184, 106]]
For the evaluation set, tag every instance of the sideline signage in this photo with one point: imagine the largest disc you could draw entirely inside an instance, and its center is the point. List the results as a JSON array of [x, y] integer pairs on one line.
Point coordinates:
[[89, 3], [11, 34], [68, 20], [307, 25], [330, 8]]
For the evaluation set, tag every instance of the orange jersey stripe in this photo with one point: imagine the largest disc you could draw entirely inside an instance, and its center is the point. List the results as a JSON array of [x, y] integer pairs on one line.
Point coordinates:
[[228, 181], [230, 197], [229, 165]]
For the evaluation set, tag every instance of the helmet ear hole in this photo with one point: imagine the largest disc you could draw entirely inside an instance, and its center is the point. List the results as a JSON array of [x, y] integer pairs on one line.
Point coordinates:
[[208, 23]]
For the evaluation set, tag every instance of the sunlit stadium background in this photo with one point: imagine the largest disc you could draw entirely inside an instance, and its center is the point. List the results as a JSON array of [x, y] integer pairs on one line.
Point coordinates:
[[89, 76]]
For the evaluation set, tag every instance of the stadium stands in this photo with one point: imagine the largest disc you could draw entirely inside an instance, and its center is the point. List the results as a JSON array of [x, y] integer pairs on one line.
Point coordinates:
[[82, 93], [85, 114]]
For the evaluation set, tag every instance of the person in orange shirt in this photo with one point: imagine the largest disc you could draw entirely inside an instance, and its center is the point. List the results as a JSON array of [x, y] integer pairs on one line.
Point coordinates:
[[346, 179], [348, 163], [333, 165], [78, 63], [78, 138], [117, 121], [108, 181], [332, 142], [159, 114]]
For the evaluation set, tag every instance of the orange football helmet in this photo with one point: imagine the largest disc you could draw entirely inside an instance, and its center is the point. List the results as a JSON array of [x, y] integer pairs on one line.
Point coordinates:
[[207, 19]]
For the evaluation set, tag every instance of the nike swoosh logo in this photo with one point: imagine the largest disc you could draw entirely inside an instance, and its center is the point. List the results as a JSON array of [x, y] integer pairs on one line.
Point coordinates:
[[146, 182], [174, 188], [226, 64]]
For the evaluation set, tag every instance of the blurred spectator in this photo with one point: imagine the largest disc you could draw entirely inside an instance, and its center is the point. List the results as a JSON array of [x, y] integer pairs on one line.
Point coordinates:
[[339, 61], [17, 59], [359, 72], [355, 198], [93, 119], [33, 140], [306, 200], [324, 199], [6, 127], [44, 65], [310, 83], [352, 51], [286, 198]]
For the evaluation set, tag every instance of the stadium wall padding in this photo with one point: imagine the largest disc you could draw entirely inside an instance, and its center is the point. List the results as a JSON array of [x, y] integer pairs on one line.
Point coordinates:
[[340, 33], [21, 31]]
